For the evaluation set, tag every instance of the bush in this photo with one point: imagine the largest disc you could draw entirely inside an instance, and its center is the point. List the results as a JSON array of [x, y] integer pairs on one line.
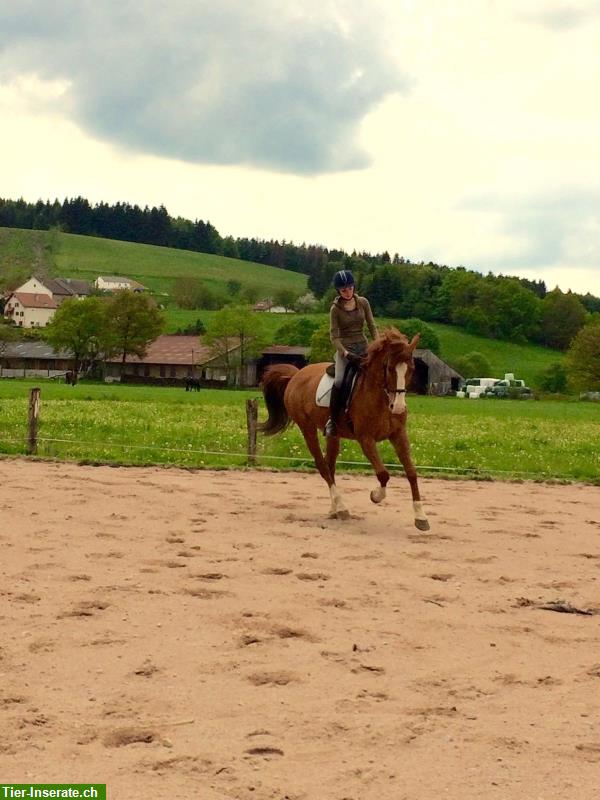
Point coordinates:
[[473, 365], [193, 329], [553, 378], [297, 332], [429, 338]]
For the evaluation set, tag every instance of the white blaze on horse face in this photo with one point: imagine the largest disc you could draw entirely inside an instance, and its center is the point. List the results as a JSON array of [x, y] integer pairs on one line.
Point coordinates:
[[399, 404]]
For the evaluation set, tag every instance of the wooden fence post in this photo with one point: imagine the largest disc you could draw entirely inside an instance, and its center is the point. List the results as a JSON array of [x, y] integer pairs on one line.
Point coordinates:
[[252, 420], [32, 418]]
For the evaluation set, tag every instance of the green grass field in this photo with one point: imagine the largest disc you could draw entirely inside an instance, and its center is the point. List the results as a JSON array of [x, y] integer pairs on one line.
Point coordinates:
[[151, 425]]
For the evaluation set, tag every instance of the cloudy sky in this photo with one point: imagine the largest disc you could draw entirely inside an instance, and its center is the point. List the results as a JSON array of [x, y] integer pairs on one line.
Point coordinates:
[[448, 130]]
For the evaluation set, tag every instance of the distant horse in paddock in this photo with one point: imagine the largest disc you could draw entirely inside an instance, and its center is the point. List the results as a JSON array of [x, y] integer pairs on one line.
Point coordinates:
[[192, 384], [377, 411], [71, 377]]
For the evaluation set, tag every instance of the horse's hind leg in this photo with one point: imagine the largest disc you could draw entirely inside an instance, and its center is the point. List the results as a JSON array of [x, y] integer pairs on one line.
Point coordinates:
[[311, 437], [402, 448]]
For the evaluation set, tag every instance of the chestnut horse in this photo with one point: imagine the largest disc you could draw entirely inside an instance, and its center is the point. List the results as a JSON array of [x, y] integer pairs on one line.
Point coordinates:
[[377, 412]]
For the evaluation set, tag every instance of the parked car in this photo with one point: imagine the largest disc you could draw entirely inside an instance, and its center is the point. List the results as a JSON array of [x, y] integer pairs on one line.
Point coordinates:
[[509, 388]]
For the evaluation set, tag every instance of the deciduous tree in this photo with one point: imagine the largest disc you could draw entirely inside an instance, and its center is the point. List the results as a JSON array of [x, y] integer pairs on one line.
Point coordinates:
[[134, 323], [81, 327], [583, 358], [234, 325], [563, 316]]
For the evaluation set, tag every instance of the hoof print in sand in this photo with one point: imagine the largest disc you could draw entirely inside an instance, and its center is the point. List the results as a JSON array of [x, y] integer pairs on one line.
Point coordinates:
[[126, 736], [277, 571], [247, 639], [272, 678], [146, 670], [204, 594], [285, 632], [265, 752], [85, 608]]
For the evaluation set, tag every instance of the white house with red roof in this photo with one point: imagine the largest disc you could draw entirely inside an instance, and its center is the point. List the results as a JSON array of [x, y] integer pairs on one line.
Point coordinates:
[[30, 309], [32, 305]]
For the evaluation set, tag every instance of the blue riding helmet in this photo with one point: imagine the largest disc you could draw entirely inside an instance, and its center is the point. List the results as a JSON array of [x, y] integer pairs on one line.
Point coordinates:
[[343, 278]]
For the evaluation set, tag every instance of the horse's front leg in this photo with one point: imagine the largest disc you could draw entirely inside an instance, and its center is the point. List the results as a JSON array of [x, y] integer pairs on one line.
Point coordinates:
[[402, 447], [369, 448], [338, 508]]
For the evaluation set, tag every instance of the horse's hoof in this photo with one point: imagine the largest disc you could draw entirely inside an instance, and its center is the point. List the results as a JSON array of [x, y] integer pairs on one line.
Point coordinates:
[[422, 524], [377, 496], [345, 514]]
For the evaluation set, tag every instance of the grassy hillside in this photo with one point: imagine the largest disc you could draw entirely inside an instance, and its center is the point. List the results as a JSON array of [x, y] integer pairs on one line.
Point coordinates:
[[87, 257], [524, 360]]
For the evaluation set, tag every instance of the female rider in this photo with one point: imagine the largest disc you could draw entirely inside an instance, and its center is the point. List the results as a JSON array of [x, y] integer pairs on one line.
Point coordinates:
[[347, 318]]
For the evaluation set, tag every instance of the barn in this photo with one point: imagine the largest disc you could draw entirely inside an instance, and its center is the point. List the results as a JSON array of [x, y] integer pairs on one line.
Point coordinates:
[[432, 375], [33, 360], [281, 354]]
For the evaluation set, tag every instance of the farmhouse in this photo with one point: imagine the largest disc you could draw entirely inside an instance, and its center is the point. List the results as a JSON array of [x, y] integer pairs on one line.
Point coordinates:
[[270, 307], [32, 305], [115, 283], [172, 358], [28, 310], [58, 288]]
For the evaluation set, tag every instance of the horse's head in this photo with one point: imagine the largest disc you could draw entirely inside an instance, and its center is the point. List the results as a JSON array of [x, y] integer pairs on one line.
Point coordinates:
[[390, 363]]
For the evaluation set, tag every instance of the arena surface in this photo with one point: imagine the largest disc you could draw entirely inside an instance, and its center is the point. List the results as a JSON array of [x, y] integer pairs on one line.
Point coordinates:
[[214, 635]]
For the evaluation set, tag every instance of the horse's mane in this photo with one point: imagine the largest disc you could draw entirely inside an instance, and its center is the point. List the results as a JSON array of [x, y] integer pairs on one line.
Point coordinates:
[[389, 338]]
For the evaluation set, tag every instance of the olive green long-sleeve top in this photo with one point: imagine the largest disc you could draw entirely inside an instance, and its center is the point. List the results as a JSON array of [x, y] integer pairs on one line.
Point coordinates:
[[347, 327]]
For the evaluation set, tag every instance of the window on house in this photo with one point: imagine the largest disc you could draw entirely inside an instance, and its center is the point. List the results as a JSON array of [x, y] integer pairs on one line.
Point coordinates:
[[146, 371], [162, 371], [173, 372]]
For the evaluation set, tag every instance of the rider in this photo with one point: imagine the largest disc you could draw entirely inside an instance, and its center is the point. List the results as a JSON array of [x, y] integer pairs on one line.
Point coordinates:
[[347, 318]]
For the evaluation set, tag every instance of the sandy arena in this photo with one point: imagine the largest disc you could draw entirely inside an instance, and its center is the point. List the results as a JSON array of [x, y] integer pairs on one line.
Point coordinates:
[[214, 635]]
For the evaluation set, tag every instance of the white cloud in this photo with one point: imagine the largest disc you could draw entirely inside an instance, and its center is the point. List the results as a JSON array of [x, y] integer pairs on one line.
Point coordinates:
[[490, 160], [224, 83]]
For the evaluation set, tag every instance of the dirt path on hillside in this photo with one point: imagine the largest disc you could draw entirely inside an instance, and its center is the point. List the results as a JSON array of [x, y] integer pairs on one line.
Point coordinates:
[[214, 635]]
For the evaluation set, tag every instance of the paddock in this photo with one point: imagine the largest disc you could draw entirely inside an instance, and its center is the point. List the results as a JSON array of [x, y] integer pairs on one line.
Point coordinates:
[[213, 634]]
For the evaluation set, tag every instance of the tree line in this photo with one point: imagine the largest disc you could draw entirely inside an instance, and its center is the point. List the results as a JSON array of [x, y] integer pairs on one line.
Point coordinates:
[[495, 306]]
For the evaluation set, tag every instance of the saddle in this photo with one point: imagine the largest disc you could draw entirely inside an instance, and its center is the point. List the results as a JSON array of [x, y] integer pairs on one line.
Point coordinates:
[[347, 388]]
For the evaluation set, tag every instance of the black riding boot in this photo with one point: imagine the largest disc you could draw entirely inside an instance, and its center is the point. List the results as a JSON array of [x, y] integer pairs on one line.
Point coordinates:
[[335, 406]]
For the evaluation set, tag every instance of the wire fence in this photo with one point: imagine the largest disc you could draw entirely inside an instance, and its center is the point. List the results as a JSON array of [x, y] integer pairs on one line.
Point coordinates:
[[260, 458], [91, 451]]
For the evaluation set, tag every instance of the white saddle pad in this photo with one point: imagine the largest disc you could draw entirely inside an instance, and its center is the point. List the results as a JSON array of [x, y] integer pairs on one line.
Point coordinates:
[[324, 391]]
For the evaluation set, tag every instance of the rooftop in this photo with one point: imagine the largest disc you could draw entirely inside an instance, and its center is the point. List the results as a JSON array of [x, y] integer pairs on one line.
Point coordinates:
[[29, 300], [174, 349]]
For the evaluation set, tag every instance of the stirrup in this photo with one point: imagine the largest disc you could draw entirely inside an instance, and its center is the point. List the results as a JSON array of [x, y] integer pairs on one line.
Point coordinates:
[[330, 428]]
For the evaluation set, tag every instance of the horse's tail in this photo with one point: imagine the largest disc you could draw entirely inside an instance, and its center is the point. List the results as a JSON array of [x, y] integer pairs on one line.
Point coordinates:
[[274, 383]]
